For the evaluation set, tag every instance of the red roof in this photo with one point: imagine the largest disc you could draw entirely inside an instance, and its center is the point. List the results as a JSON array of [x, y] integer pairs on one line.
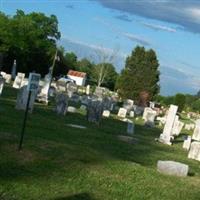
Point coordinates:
[[76, 73]]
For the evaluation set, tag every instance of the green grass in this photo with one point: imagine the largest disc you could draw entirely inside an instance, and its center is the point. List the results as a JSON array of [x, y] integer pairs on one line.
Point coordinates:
[[63, 163]]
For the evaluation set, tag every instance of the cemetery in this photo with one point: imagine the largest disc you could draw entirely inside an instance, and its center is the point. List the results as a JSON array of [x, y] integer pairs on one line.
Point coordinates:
[[83, 120], [83, 145]]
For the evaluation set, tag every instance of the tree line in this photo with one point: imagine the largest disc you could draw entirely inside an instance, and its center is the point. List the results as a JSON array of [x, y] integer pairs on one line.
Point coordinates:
[[32, 38]]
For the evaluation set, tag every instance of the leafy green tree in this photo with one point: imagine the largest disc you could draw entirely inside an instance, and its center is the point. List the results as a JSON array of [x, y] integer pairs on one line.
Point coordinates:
[[141, 74], [71, 60], [179, 100], [31, 41]]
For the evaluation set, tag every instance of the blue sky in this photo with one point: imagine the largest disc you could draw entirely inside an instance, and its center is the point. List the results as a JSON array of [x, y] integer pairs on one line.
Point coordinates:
[[170, 27]]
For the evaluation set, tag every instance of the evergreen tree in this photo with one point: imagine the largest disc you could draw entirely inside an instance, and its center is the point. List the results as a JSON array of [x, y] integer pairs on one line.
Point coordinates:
[[141, 74]]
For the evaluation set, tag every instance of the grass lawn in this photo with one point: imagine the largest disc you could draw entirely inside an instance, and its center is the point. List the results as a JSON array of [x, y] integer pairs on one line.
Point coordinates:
[[64, 163]]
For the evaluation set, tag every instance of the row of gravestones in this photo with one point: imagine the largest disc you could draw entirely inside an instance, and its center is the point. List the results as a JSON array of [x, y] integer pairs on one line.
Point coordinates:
[[173, 128]]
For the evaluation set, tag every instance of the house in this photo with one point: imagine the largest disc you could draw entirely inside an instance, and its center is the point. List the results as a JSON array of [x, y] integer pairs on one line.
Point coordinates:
[[78, 77]]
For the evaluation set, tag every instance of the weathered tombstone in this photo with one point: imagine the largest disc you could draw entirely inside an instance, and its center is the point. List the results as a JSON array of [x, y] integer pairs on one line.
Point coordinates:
[[94, 111], [88, 90], [43, 95], [22, 98], [61, 103], [8, 78], [99, 92], [1, 84], [106, 113], [146, 111], [172, 168], [23, 94], [189, 127], [152, 104], [61, 86], [122, 112], [165, 137], [128, 104], [130, 127], [138, 109], [150, 118], [196, 134], [18, 80], [71, 109], [131, 114], [177, 127], [71, 89], [14, 70], [107, 103], [194, 152], [187, 143]]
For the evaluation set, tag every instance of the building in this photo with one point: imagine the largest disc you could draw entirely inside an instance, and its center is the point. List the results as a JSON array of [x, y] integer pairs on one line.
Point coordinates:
[[78, 77]]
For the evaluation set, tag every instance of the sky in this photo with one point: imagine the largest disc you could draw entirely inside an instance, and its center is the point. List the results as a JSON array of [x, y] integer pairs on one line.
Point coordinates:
[[170, 27]]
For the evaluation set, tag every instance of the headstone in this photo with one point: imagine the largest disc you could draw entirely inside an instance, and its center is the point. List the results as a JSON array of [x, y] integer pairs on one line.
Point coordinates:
[[165, 137], [88, 89], [99, 92], [1, 84], [172, 168], [146, 111], [152, 104], [8, 78], [61, 103], [128, 104], [22, 98], [32, 87], [106, 113], [14, 70], [194, 152], [130, 127], [43, 95], [61, 86], [196, 133], [71, 89], [71, 109], [177, 127], [150, 118], [94, 111], [131, 114], [138, 110], [189, 127], [18, 80], [107, 103], [187, 143], [122, 112]]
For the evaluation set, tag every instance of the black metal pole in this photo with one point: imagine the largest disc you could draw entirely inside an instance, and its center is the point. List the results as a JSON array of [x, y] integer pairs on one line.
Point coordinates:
[[24, 122]]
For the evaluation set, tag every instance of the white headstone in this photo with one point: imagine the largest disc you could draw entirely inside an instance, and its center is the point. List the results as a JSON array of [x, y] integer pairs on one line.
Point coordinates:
[[172, 168], [196, 134], [150, 118], [187, 143], [1, 84], [177, 127], [8, 78], [18, 80], [131, 114], [122, 112], [71, 109], [194, 152], [88, 89], [165, 137], [106, 113], [128, 104]]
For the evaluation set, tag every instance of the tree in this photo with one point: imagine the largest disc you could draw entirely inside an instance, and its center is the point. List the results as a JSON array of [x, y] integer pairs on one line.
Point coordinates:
[[179, 100], [84, 65], [109, 75], [141, 74], [101, 71], [31, 41], [71, 60]]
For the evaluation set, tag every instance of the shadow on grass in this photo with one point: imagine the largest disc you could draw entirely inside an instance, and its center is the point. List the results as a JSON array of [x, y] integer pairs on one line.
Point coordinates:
[[81, 196]]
